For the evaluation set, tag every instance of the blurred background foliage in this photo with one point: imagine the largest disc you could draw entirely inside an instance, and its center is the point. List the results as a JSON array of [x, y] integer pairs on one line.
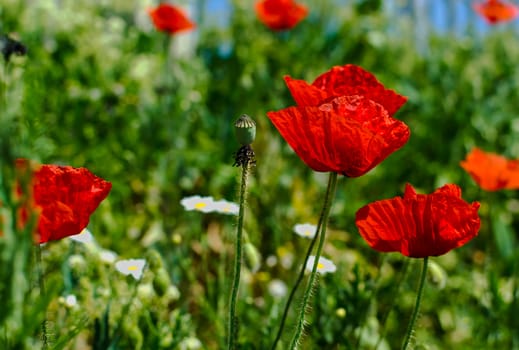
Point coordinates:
[[153, 114]]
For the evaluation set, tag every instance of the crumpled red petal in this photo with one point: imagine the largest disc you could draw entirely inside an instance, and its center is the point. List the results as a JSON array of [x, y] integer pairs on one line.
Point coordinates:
[[67, 197], [349, 135], [419, 225], [344, 81]]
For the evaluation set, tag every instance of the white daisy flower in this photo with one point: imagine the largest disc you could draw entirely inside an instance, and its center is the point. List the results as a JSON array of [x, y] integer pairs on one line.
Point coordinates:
[[190, 343], [271, 260], [277, 288], [305, 230], [84, 236], [134, 267], [225, 207], [107, 256], [71, 300], [323, 266], [203, 204]]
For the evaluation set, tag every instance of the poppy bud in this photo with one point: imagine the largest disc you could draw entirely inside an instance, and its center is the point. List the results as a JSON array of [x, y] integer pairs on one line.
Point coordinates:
[[161, 282], [172, 294], [145, 293], [252, 257], [154, 260], [437, 275], [245, 129]]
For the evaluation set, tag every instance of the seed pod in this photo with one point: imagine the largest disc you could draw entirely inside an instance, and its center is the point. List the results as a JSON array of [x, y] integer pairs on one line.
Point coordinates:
[[245, 129]]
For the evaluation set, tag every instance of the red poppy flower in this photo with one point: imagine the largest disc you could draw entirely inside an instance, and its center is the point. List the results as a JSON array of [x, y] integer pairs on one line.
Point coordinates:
[[491, 171], [65, 197], [280, 14], [494, 11], [343, 122], [419, 225], [170, 19]]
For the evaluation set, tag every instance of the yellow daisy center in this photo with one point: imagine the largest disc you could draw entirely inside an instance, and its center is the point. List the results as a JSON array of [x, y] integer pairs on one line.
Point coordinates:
[[320, 266], [200, 205], [132, 268]]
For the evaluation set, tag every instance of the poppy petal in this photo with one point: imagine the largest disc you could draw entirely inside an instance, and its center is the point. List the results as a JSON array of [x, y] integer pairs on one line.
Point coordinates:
[[67, 197], [496, 11], [339, 136], [305, 94], [170, 19], [353, 80], [419, 225], [492, 172], [280, 15]]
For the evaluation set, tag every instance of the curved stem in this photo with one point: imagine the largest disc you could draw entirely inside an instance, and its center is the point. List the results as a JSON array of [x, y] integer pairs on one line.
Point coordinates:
[[410, 327], [298, 282], [233, 322], [41, 282], [328, 200]]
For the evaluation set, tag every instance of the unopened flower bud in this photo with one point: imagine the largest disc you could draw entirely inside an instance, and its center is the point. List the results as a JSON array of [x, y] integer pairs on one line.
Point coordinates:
[[161, 281], [154, 260], [172, 294], [252, 257], [145, 293], [245, 129], [437, 275]]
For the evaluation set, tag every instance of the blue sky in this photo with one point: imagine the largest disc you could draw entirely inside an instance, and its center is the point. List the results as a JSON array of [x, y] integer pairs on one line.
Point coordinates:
[[442, 14]]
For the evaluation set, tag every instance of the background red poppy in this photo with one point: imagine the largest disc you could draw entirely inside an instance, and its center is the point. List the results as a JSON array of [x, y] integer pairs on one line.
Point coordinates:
[[280, 14], [495, 11], [491, 171], [170, 19]]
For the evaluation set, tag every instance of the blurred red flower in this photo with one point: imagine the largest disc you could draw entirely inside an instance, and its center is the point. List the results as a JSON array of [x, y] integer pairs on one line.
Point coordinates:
[[343, 121], [64, 197], [419, 225], [280, 15], [491, 171], [494, 11], [170, 19]]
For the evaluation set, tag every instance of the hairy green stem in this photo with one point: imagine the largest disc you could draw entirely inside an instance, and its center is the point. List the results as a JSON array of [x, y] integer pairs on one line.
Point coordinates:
[[233, 321], [410, 327], [41, 283], [297, 283], [328, 200]]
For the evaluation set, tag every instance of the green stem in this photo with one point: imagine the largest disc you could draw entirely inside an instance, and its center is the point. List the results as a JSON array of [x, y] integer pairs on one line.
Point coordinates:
[[396, 292], [233, 321], [328, 200], [298, 282], [41, 283], [410, 327]]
